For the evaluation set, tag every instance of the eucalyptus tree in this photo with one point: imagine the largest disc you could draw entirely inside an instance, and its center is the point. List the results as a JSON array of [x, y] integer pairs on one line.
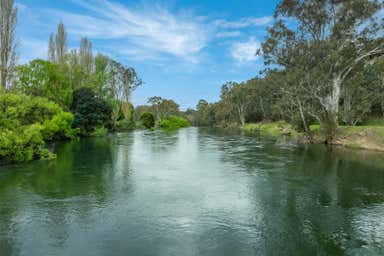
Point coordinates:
[[122, 81], [155, 101], [8, 20], [324, 40], [239, 98], [162, 108], [361, 92]]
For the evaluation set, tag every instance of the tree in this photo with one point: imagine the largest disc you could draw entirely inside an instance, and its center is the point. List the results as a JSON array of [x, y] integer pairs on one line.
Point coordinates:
[[139, 110], [52, 49], [360, 93], [325, 41], [148, 120], [61, 43], [45, 79], [121, 82], [8, 20], [90, 111], [167, 108], [239, 98], [162, 108], [155, 102], [206, 113], [100, 74], [86, 56]]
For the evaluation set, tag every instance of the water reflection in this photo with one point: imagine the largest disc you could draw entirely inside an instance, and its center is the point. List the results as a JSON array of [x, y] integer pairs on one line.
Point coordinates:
[[193, 192]]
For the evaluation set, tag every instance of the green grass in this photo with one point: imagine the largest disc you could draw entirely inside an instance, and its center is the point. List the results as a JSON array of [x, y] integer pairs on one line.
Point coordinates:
[[374, 121], [350, 130], [274, 129]]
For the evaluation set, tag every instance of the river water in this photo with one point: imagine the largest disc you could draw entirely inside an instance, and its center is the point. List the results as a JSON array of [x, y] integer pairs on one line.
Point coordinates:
[[193, 192]]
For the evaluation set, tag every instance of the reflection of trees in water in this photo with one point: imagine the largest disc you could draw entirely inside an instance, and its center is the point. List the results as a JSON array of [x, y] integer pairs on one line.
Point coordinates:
[[305, 196], [315, 193], [60, 191]]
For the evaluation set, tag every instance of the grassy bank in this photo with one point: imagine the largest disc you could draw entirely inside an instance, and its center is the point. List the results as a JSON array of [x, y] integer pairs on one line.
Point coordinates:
[[273, 129], [369, 137], [364, 137]]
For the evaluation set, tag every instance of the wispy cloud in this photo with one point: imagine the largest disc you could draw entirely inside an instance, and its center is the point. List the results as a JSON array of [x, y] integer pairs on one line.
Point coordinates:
[[244, 22], [142, 32], [244, 52], [226, 34], [32, 48], [155, 31]]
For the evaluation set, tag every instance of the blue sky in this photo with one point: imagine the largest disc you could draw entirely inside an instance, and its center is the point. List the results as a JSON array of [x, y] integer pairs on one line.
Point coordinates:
[[182, 49]]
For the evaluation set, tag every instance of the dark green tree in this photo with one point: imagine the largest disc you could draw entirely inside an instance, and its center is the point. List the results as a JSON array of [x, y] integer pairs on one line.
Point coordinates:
[[148, 120], [90, 111]]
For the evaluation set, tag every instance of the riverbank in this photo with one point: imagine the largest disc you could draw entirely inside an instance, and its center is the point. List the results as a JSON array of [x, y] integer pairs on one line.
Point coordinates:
[[370, 137]]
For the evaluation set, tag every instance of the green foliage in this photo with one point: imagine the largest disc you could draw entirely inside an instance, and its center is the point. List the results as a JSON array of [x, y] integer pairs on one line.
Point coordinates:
[[374, 121], [125, 125], [148, 120], [90, 111], [274, 129], [173, 123], [99, 132], [26, 123], [45, 79], [59, 127], [162, 108]]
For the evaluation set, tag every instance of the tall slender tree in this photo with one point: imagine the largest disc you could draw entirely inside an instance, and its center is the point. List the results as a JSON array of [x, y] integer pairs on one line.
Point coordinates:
[[86, 56], [8, 20], [61, 43], [52, 49]]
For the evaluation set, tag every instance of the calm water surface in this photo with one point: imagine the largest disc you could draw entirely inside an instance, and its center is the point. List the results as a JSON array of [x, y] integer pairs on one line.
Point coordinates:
[[193, 192]]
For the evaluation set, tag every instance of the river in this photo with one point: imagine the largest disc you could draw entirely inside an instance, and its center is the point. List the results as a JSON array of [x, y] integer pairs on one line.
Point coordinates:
[[193, 192]]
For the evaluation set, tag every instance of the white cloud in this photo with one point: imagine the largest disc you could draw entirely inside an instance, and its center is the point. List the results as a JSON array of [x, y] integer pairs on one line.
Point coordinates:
[[244, 22], [245, 51], [226, 34]]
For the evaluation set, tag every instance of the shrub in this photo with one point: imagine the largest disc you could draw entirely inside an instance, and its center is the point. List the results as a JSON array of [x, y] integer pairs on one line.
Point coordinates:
[[148, 120], [174, 122], [26, 123]]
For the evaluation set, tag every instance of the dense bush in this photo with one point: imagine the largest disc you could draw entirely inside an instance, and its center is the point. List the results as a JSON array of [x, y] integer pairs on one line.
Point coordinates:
[[90, 111], [174, 122], [148, 120], [26, 123]]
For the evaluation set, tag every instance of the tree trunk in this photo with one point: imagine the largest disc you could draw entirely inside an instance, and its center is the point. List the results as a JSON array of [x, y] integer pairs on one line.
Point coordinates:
[[329, 120], [305, 124], [240, 110], [262, 108]]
